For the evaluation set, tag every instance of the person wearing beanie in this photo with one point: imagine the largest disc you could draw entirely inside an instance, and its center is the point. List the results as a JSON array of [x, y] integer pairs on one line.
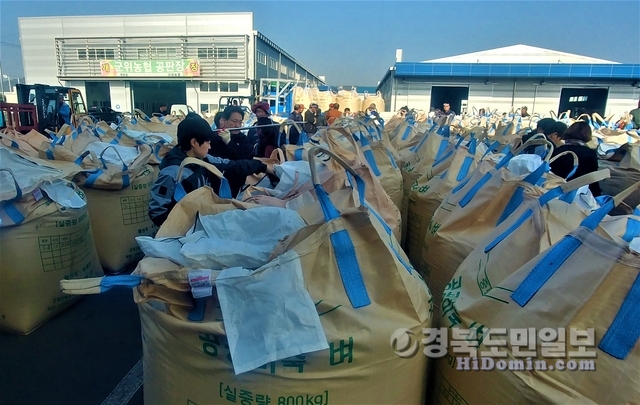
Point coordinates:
[[261, 110], [195, 138]]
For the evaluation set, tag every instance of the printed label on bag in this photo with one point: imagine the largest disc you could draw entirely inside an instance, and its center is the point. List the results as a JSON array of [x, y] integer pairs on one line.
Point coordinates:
[[201, 283], [37, 194]]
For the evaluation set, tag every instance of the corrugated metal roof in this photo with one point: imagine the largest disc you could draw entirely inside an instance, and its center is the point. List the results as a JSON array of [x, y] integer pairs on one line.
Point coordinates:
[[534, 70], [520, 54]]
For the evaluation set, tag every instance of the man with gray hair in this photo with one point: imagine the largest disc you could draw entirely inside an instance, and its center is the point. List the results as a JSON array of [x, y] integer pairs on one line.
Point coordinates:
[[310, 119]]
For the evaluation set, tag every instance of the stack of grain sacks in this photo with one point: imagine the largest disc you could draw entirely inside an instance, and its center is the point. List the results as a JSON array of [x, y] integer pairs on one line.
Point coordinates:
[[323, 250], [45, 236]]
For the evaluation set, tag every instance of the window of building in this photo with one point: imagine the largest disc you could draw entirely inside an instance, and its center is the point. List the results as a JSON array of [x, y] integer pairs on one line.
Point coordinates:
[[283, 70], [209, 86], [206, 53], [297, 76], [291, 75], [578, 99], [210, 109], [224, 87], [262, 58], [273, 64], [143, 53], [233, 87], [95, 54], [163, 53], [226, 53]]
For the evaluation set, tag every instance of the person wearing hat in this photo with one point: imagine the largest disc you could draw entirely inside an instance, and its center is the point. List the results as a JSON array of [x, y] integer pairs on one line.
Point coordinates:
[[311, 120], [195, 138], [267, 138], [551, 129], [372, 111], [262, 110]]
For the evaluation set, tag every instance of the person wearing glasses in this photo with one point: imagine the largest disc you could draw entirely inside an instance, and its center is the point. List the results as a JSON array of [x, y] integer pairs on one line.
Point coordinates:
[[195, 140], [231, 143]]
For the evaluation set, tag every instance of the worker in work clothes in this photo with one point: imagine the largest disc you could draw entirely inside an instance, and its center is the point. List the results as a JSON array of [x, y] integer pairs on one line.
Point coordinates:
[[194, 140]]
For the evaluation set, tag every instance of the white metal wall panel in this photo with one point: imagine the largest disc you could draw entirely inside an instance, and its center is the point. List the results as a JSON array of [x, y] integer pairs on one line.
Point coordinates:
[[92, 26], [120, 93], [38, 48], [622, 99]]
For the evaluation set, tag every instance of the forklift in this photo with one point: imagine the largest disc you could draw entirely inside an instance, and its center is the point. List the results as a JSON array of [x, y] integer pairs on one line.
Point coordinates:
[[244, 102], [45, 99], [38, 108]]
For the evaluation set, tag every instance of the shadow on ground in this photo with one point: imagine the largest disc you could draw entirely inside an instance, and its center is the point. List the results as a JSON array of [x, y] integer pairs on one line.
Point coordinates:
[[78, 357]]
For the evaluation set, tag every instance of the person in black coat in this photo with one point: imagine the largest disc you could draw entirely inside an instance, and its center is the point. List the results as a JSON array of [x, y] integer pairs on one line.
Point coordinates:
[[261, 110], [311, 119], [194, 140], [228, 143], [575, 140], [295, 116]]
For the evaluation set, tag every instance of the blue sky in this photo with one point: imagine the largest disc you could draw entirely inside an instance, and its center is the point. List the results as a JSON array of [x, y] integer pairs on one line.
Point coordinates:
[[355, 42]]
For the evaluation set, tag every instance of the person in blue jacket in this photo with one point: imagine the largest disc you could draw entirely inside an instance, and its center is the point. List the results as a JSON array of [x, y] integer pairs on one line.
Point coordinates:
[[195, 138], [64, 111]]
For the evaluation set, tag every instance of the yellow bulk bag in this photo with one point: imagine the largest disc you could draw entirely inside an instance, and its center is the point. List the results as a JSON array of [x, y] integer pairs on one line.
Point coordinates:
[[30, 144], [377, 153], [472, 210], [301, 96], [373, 99], [568, 318], [349, 99], [189, 361], [429, 190], [324, 98], [418, 161], [118, 216], [48, 244]]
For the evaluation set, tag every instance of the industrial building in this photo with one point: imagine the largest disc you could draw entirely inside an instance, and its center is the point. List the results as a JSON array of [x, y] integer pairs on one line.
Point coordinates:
[[514, 76], [140, 61]]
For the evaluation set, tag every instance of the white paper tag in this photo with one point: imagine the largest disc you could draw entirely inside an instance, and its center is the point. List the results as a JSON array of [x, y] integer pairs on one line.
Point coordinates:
[[201, 283], [37, 194]]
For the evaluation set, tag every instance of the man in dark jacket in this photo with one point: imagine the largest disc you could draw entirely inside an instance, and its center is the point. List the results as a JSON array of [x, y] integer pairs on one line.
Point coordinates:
[[311, 120], [295, 116], [228, 143], [194, 140]]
